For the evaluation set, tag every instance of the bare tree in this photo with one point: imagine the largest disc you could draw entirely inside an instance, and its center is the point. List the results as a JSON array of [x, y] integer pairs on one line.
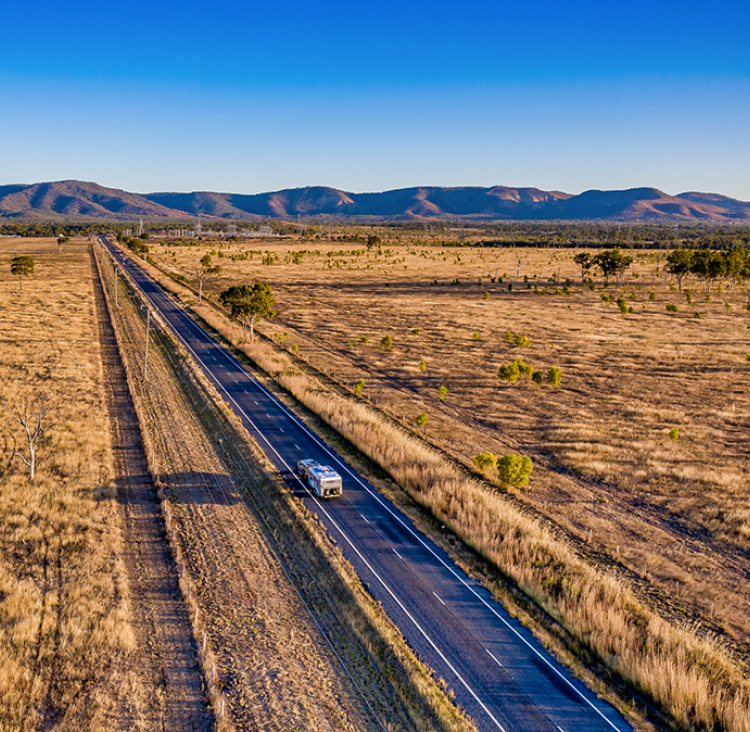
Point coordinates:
[[31, 415], [519, 261], [203, 272]]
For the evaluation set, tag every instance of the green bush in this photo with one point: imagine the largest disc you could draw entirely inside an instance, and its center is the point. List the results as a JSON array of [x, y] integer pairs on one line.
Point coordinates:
[[652, 296], [365, 339], [358, 386], [514, 470], [537, 377], [485, 461], [522, 341], [423, 366], [508, 337], [475, 336], [672, 308], [554, 376], [386, 344], [421, 419], [524, 369], [674, 434], [689, 297], [622, 305], [508, 372], [486, 295], [442, 392], [697, 315], [416, 331]]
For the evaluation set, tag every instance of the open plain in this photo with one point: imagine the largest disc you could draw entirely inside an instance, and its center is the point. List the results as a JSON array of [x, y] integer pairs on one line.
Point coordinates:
[[668, 516]]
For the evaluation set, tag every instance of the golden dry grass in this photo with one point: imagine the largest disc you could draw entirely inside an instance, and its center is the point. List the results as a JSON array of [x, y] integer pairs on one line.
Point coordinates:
[[65, 633], [605, 467]]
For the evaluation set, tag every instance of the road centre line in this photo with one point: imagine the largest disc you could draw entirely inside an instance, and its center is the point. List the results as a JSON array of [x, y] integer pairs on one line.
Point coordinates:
[[496, 661], [438, 596]]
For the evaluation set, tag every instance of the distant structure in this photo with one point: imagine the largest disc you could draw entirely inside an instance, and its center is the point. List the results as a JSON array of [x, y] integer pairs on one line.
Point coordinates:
[[140, 227]]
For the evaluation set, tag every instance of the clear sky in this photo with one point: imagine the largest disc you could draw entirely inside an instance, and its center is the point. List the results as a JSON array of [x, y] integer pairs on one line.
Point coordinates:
[[366, 96]]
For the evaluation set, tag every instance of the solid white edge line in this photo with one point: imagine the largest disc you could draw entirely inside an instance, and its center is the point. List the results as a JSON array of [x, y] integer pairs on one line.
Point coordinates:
[[410, 529]]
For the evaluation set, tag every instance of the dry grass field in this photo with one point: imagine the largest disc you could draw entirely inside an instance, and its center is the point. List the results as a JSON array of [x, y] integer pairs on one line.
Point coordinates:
[[67, 646], [670, 515]]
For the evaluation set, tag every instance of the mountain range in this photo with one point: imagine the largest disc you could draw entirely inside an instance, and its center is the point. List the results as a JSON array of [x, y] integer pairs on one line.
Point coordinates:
[[71, 200]]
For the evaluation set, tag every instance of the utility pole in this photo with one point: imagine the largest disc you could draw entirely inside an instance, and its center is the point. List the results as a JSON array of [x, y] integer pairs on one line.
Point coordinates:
[[145, 350]]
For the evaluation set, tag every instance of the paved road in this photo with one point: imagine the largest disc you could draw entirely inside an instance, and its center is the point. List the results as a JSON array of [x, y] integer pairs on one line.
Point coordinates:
[[500, 674]]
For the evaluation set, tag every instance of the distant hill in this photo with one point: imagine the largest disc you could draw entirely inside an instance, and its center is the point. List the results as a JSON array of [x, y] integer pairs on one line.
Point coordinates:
[[75, 200]]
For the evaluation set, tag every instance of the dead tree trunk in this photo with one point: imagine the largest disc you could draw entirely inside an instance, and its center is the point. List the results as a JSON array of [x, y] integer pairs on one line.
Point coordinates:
[[31, 416]]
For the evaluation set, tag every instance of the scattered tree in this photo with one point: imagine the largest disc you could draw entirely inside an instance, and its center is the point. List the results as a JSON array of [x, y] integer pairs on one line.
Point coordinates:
[[585, 261], [203, 272], [32, 417], [612, 262], [485, 461], [386, 343], [249, 305], [514, 470], [23, 267], [442, 393], [674, 434], [554, 376], [373, 241], [679, 264], [358, 386], [421, 419]]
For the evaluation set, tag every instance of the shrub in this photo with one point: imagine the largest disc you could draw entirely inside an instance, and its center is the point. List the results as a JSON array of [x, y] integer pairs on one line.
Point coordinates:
[[537, 377], [358, 386], [442, 392], [416, 331], [508, 372], [475, 336], [485, 461], [728, 306], [421, 419], [525, 369], [622, 305], [486, 295], [697, 315], [365, 339], [672, 308], [508, 337], [423, 366], [674, 434], [688, 297], [514, 470], [652, 296], [522, 341], [386, 344], [554, 376]]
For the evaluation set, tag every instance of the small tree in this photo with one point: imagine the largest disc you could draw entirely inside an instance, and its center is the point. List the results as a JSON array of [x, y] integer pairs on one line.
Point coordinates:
[[679, 264], [612, 262], [442, 393], [585, 261], [514, 470], [203, 272], [423, 366], [249, 305], [421, 419], [386, 344], [23, 267], [373, 241], [554, 376], [32, 418], [485, 461], [508, 372], [522, 341], [358, 386]]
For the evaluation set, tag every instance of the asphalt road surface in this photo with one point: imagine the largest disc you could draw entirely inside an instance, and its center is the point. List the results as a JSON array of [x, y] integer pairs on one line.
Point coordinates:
[[500, 674]]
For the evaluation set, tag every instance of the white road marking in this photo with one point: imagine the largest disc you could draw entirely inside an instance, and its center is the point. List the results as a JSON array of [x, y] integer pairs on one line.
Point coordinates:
[[365, 518], [495, 660], [280, 430], [397, 554], [297, 446], [438, 596]]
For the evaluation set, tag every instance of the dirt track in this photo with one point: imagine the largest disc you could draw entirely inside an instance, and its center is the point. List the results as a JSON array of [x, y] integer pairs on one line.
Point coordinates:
[[160, 619]]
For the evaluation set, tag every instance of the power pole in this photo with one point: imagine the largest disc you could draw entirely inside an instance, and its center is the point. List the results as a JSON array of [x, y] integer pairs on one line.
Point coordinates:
[[145, 350]]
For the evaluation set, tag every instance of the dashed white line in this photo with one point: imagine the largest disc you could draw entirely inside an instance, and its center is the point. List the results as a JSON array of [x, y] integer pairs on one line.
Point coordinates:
[[495, 660], [397, 554], [365, 518], [297, 446], [438, 597]]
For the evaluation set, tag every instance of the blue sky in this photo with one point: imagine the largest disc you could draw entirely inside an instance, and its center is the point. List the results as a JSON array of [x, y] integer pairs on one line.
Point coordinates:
[[249, 97]]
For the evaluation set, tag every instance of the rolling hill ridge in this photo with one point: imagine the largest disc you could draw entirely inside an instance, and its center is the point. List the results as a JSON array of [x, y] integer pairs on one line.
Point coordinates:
[[75, 200]]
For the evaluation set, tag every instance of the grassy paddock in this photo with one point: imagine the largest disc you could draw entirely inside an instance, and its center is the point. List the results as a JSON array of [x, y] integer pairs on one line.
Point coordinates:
[[617, 363], [66, 641]]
